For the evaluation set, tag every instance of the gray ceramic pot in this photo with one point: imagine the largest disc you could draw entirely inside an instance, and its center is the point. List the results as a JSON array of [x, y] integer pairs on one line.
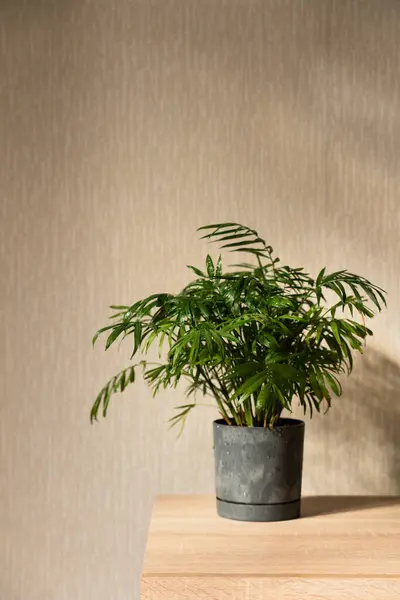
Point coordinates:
[[258, 471]]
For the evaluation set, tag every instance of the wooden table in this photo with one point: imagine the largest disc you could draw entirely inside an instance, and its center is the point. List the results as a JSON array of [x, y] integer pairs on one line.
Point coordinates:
[[342, 548]]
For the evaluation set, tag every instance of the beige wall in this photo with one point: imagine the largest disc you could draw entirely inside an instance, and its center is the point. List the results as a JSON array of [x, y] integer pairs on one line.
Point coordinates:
[[124, 126]]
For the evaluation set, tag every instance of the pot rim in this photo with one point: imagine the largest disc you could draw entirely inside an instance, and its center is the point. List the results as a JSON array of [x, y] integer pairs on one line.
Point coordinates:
[[282, 423]]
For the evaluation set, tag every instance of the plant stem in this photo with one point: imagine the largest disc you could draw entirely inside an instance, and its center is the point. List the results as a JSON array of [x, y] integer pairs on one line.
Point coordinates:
[[225, 393], [216, 396]]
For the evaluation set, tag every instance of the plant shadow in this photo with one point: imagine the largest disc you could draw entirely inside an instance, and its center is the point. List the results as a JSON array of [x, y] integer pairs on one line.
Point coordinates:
[[313, 506], [355, 449]]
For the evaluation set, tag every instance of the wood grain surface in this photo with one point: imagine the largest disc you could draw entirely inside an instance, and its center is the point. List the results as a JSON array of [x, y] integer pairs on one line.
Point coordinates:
[[340, 546], [240, 588]]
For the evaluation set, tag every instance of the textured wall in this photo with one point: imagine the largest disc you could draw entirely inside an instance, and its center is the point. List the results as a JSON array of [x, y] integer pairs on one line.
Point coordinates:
[[124, 126]]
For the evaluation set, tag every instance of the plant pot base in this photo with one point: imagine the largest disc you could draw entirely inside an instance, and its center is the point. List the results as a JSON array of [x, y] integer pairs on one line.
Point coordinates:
[[258, 512]]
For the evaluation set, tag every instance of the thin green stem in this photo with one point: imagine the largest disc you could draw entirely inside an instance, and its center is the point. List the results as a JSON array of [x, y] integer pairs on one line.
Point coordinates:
[[216, 396], [225, 393]]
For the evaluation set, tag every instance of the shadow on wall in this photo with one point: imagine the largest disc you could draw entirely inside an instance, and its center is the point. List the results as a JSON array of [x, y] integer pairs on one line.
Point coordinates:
[[375, 392], [361, 433]]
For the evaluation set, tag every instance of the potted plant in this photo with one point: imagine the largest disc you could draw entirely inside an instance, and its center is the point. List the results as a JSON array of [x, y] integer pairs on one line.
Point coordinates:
[[257, 339]]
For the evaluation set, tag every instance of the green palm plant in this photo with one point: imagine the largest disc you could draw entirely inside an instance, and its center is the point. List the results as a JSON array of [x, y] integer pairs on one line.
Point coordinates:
[[255, 338]]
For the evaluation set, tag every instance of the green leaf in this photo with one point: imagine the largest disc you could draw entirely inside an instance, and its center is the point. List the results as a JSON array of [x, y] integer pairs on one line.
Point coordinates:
[[247, 266], [361, 329], [218, 268], [196, 270], [218, 226], [364, 310], [215, 236], [138, 336], [95, 407], [372, 296], [300, 389], [285, 371], [316, 403], [239, 244], [356, 292], [320, 277], [181, 416], [242, 370], [234, 236], [381, 295], [348, 355], [333, 276], [228, 336], [117, 315], [100, 331], [263, 397], [210, 266], [268, 340], [282, 399], [342, 290], [333, 383], [161, 343], [209, 342], [152, 374], [335, 288], [310, 405], [118, 307], [122, 383], [321, 382], [219, 342], [315, 386], [254, 251], [335, 331], [195, 347], [106, 401], [153, 336], [280, 302], [249, 387], [114, 335], [354, 343]]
